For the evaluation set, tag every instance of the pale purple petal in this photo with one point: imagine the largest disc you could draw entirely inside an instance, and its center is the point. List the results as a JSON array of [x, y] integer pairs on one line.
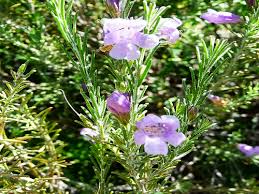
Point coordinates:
[[170, 122], [169, 23], [174, 36], [119, 51], [111, 38], [126, 35], [148, 120], [246, 149], [155, 146], [170, 34], [139, 137], [215, 17], [125, 50], [175, 138], [133, 52], [146, 41], [88, 133], [137, 25], [111, 25], [114, 24], [256, 150]]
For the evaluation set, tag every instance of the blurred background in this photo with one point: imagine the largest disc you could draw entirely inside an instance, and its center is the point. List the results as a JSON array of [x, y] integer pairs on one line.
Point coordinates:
[[29, 34]]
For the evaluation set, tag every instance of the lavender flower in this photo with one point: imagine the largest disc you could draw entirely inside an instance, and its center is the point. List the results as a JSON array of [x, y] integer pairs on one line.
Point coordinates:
[[155, 132], [119, 104], [88, 133], [248, 150], [126, 37], [167, 29], [215, 17]]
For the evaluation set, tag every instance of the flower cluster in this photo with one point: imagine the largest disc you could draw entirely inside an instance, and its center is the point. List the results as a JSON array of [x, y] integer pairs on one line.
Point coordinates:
[[154, 132], [126, 36]]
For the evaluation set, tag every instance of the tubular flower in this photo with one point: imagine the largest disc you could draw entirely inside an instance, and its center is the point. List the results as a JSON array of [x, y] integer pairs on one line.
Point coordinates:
[[155, 132], [119, 104], [248, 150], [167, 29], [215, 17], [125, 37]]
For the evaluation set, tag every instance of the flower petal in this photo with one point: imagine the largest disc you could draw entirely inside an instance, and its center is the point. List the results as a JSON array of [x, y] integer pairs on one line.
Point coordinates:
[[148, 120], [174, 36], [146, 41], [171, 122], [169, 23], [170, 34], [133, 52], [119, 51], [256, 150], [155, 146], [246, 149], [88, 133], [175, 138], [139, 137], [114, 24], [111, 38], [138, 24]]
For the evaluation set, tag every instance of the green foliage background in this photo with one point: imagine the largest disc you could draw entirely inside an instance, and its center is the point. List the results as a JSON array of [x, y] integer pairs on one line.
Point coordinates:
[[28, 34]]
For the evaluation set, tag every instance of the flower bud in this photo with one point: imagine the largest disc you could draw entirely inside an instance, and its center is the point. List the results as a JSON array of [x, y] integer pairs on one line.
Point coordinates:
[[192, 113], [218, 101], [220, 17], [114, 7], [251, 3], [119, 104]]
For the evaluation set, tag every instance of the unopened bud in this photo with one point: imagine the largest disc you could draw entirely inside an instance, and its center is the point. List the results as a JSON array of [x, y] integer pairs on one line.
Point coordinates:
[[114, 7]]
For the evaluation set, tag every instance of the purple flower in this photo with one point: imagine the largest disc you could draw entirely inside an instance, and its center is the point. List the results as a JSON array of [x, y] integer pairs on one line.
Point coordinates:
[[215, 17], [119, 104], [248, 150], [167, 29], [155, 132], [88, 133], [126, 37]]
